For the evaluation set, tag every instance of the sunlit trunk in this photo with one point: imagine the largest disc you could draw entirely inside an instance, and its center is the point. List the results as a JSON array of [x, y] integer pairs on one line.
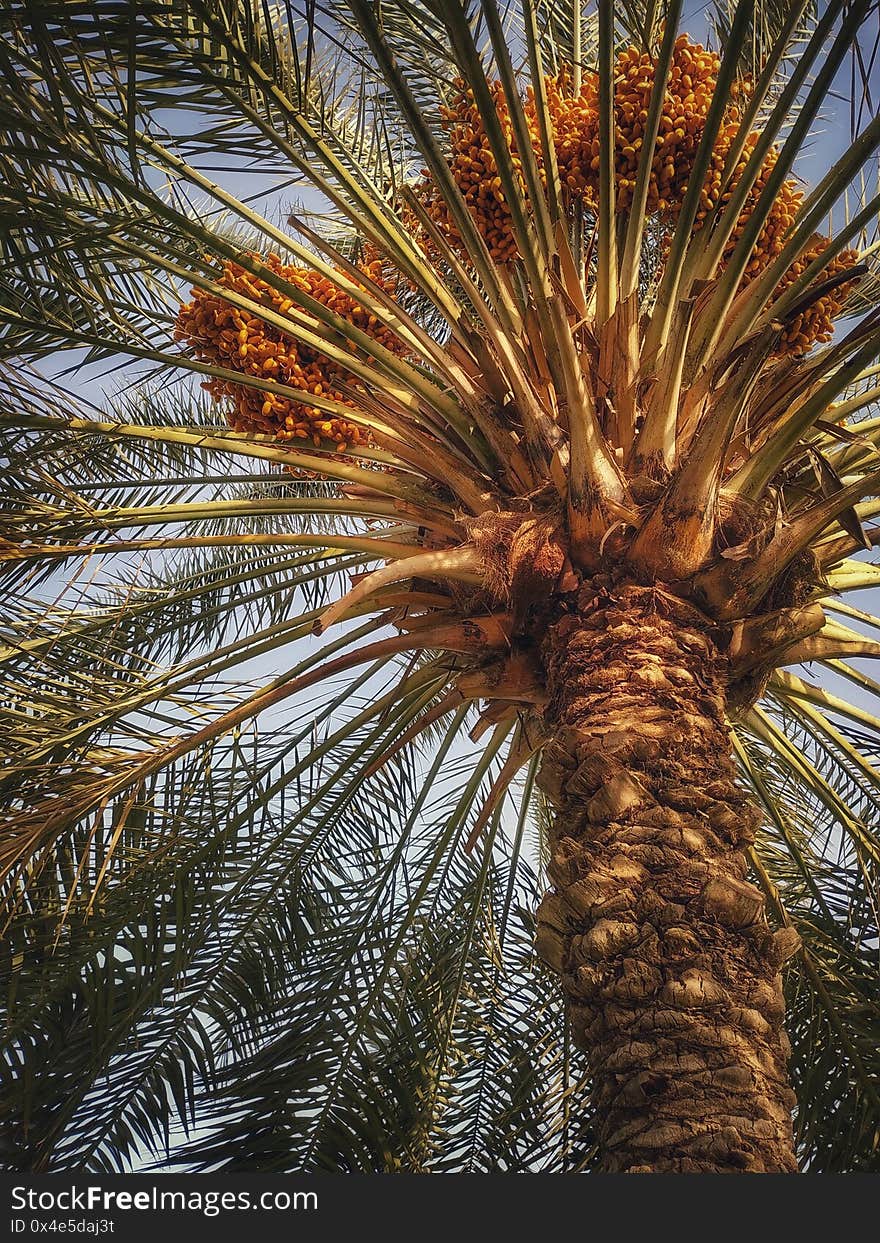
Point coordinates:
[[670, 971]]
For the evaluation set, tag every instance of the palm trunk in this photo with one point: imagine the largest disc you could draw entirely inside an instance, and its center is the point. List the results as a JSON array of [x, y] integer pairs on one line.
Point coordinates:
[[670, 972]]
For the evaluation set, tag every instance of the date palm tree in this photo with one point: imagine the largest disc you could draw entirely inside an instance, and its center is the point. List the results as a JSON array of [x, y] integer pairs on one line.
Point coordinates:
[[429, 742]]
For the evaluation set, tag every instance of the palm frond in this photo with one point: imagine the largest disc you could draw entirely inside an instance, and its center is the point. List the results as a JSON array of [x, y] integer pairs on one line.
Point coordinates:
[[267, 896]]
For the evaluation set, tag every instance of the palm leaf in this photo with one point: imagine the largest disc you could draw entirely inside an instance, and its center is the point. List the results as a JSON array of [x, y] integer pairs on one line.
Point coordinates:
[[267, 902]]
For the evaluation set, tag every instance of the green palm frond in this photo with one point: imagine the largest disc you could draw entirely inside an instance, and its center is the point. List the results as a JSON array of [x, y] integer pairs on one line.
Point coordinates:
[[268, 892]]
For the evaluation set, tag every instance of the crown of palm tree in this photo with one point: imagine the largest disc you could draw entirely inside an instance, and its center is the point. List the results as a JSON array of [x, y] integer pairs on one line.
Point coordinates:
[[557, 311]]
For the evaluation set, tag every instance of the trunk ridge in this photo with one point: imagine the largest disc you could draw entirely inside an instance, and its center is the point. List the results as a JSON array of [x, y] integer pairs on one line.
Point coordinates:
[[670, 971]]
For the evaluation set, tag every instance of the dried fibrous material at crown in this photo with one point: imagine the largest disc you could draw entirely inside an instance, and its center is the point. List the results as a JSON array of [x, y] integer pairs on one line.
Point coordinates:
[[238, 340]]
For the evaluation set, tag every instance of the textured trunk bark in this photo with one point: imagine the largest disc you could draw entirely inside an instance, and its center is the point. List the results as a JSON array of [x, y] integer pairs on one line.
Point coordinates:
[[670, 971]]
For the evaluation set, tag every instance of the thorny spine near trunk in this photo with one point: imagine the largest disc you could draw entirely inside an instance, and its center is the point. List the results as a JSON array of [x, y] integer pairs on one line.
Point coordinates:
[[670, 972]]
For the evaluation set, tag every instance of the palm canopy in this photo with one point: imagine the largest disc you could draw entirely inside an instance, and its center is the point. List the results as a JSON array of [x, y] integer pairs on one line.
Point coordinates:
[[283, 922]]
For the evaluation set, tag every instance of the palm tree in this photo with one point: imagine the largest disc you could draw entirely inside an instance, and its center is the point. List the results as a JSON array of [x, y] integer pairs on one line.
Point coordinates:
[[533, 461]]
